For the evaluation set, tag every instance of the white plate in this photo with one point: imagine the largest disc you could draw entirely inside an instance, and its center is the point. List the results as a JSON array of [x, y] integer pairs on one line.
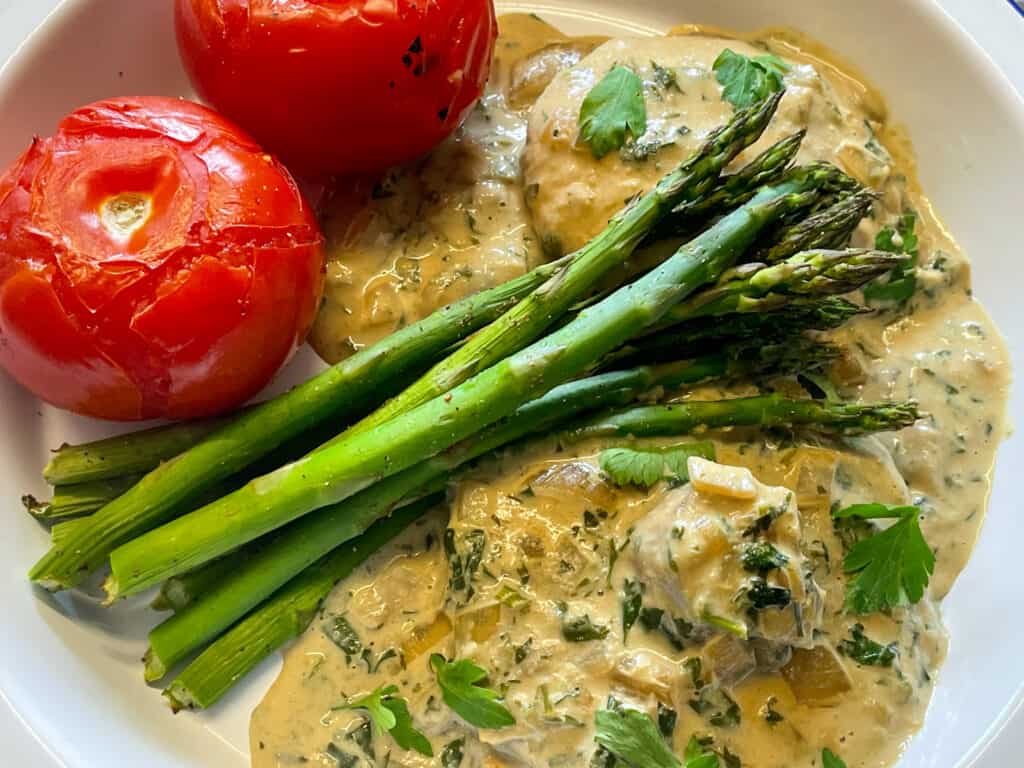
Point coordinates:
[[69, 670]]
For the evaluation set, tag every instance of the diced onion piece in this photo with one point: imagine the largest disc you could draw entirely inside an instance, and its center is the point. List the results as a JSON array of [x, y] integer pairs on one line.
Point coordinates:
[[729, 658], [816, 676], [423, 638], [720, 479], [646, 672]]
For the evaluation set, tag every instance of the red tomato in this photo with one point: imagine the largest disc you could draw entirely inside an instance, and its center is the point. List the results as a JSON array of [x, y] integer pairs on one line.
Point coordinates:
[[339, 86], [154, 262]]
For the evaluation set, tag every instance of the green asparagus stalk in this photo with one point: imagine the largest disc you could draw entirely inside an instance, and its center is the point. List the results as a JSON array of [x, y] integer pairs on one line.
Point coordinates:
[[737, 188], [829, 228], [527, 321], [246, 439], [130, 454], [232, 655], [791, 319], [330, 475], [759, 411], [228, 592], [177, 593], [283, 617], [63, 529], [758, 287], [79, 498]]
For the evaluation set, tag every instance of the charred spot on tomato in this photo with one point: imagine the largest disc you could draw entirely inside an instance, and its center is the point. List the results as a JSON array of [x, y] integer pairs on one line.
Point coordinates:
[[442, 114], [416, 46]]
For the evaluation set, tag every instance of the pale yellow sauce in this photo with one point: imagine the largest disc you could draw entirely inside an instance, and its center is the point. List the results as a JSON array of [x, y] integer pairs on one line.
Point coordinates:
[[545, 520]]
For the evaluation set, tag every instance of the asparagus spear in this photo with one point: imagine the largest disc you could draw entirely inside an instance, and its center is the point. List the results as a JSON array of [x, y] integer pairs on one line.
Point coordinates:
[[232, 655], [228, 450], [177, 593], [129, 454], [227, 592], [63, 529], [347, 467], [758, 287], [283, 617], [737, 188], [799, 315], [79, 498], [831, 227], [759, 411]]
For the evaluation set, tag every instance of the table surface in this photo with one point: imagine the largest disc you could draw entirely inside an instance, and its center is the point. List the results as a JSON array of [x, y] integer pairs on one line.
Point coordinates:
[[1001, 40]]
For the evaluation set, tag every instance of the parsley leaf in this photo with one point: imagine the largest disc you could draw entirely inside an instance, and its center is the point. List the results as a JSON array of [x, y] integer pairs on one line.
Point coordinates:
[[866, 651], [632, 603], [891, 567], [698, 756], [902, 281], [582, 629], [644, 468], [746, 81], [829, 760], [391, 713], [613, 107], [474, 703], [633, 737]]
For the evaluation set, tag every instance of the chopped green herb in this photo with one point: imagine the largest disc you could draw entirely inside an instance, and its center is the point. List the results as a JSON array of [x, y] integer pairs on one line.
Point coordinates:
[[463, 566], [632, 602], [362, 736], [902, 281], [830, 760], [676, 631], [391, 713], [866, 651], [613, 109], [451, 755], [460, 689], [746, 81], [667, 719], [760, 594], [341, 633], [634, 738], [581, 629], [716, 706], [771, 715], [341, 759], [761, 557], [522, 651], [698, 755], [891, 567], [644, 468], [665, 77]]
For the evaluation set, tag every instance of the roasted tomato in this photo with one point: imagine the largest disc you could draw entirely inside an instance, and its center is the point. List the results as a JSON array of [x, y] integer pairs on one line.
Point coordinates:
[[154, 262], [339, 86]]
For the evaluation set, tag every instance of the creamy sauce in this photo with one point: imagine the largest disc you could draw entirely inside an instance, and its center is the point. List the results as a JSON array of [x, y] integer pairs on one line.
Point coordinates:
[[557, 547], [450, 225]]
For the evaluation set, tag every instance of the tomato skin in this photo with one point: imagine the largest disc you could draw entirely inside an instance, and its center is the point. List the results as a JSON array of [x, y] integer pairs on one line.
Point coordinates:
[[154, 262], [339, 86]]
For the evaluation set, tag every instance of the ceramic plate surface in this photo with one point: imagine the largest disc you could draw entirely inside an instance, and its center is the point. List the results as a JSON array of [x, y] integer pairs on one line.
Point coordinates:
[[70, 675]]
